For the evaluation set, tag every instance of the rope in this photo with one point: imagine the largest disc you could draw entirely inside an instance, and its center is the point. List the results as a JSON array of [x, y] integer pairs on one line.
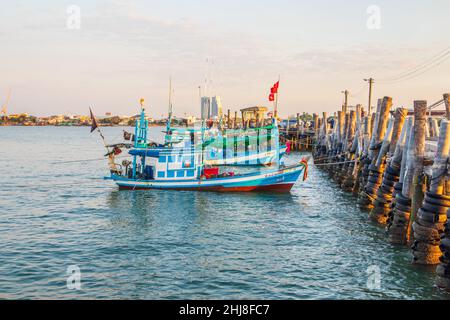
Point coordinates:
[[49, 185], [333, 163], [304, 162], [85, 160], [326, 157]]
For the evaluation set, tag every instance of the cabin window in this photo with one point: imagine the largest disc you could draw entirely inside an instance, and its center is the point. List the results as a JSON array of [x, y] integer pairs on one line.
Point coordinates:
[[161, 174], [162, 159], [170, 174], [190, 173], [180, 174], [172, 158]]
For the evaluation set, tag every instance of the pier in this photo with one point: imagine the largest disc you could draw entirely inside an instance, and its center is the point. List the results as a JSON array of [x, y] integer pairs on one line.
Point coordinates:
[[300, 135], [395, 163]]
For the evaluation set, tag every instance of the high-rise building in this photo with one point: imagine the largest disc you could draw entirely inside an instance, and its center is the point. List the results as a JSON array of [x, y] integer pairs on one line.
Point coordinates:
[[216, 107], [205, 108]]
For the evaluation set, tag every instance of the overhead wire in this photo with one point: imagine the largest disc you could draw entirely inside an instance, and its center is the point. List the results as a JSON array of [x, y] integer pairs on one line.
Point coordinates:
[[431, 63]]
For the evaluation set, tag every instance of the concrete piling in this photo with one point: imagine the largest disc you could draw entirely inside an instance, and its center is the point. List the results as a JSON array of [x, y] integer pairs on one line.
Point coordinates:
[[402, 204], [420, 110], [386, 192], [447, 105], [376, 169], [432, 216], [382, 160]]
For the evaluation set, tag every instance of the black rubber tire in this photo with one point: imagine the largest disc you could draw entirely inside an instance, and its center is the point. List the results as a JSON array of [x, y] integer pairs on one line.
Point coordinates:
[[423, 214], [445, 245], [384, 190], [373, 180], [443, 270], [434, 208], [390, 184], [390, 177], [445, 259], [401, 213], [426, 233], [438, 196], [426, 239], [425, 247], [398, 186], [437, 202], [380, 204], [400, 220], [371, 190], [437, 226], [393, 171], [402, 200], [401, 207], [374, 175], [425, 257]]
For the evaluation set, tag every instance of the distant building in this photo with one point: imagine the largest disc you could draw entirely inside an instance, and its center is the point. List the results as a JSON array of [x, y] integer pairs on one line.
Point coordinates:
[[190, 120], [205, 108], [216, 107]]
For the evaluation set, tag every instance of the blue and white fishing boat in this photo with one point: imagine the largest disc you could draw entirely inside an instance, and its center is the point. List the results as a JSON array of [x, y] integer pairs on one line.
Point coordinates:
[[246, 146], [183, 168]]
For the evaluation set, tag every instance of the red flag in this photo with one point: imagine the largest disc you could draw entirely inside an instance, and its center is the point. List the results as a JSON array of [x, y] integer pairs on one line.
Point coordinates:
[[274, 89], [276, 85], [272, 97]]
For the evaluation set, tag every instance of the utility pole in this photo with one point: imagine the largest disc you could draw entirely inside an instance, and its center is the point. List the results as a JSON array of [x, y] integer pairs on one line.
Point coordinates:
[[346, 100], [370, 80]]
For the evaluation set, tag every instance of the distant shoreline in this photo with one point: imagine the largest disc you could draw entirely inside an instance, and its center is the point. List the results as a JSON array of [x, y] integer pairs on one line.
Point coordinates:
[[73, 125]]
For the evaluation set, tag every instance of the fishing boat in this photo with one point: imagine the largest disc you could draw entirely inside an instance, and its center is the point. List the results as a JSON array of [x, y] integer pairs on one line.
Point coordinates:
[[249, 145], [183, 168]]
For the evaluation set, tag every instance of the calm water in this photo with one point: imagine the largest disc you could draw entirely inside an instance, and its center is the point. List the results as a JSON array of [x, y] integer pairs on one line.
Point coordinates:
[[311, 244]]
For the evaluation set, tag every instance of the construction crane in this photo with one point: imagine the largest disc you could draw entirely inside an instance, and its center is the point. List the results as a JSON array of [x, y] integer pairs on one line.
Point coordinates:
[[5, 107]]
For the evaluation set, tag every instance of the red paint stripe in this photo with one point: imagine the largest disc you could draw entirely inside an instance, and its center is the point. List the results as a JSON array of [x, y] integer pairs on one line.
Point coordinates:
[[273, 188]]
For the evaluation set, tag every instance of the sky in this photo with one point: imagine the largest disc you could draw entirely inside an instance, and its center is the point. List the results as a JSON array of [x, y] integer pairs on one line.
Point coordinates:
[[56, 61]]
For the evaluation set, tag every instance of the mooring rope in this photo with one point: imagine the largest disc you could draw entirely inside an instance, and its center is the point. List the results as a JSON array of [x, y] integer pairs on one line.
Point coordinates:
[[333, 163], [332, 156], [84, 160]]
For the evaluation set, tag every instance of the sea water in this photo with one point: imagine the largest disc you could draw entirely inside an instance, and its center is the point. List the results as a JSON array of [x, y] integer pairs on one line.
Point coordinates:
[[67, 233]]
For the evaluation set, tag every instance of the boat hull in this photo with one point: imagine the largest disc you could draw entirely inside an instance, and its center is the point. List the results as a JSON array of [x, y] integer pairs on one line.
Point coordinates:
[[273, 181], [270, 188]]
